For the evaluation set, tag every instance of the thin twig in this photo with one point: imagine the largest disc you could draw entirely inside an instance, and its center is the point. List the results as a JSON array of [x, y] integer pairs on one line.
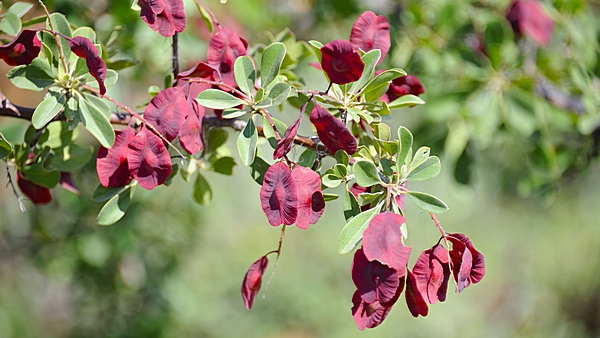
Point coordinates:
[[12, 185], [220, 84], [61, 53], [266, 115], [278, 251], [439, 226], [139, 117]]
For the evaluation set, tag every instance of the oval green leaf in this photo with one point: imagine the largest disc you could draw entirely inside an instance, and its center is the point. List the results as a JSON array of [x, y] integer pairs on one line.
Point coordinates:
[[35, 76], [202, 191], [10, 24], [270, 62], [365, 173], [47, 109], [352, 233], [406, 101], [370, 60], [427, 202], [331, 180], [102, 193], [19, 8], [96, 123], [247, 142], [5, 147], [218, 99], [405, 147], [37, 174], [244, 73], [381, 81], [279, 93], [115, 208], [427, 170]]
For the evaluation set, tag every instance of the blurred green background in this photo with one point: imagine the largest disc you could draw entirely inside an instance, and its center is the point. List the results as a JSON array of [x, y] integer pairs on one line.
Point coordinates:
[[520, 175]]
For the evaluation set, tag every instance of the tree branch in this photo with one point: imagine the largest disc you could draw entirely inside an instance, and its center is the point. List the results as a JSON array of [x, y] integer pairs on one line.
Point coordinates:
[[25, 113]]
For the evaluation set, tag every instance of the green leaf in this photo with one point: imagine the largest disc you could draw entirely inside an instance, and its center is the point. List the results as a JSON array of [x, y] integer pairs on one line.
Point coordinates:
[[405, 148], [376, 87], [258, 168], [266, 102], [48, 109], [233, 113], [86, 32], [340, 170], [98, 103], [115, 208], [218, 99], [427, 202], [10, 24], [202, 190], [421, 155], [307, 158], [34, 21], [153, 90], [352, 233], [111, 79], [37, 174], [19, 8], [351, 207], [216, 138], [405, 101], [96, 123], [224, 165], [382, 131], [316, 47], [260, 93], [5, 147], [35, 76], [331, 180], [118, 64], [342, 157], [247, 142], [353, 113], [270, 62], [206, 17], [368, 197], [270, 132], [72, 113], [72, 158], [390, 147], [60, 135], [279, 93], [103, 193], [370, 60], [365, 173], [427, 170], [244, 73], [31, 133], [61, 25], [330, 197]]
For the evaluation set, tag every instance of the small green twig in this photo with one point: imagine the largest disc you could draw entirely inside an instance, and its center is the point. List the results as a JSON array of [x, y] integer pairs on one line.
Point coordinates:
[[61, 53]]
